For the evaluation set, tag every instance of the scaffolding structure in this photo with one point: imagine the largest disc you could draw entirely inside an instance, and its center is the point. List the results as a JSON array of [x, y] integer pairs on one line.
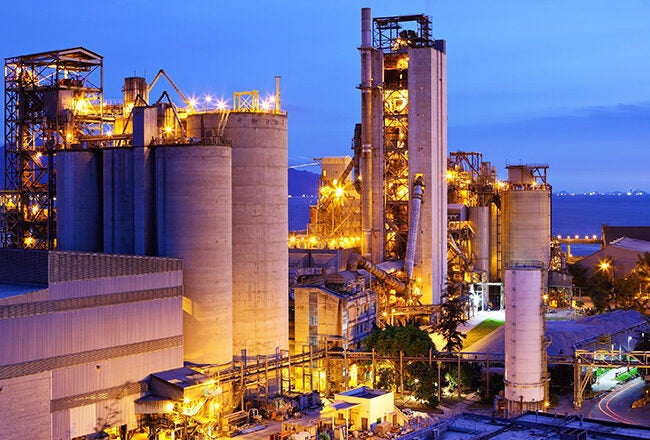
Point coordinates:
[[393, 36], [53, 101]]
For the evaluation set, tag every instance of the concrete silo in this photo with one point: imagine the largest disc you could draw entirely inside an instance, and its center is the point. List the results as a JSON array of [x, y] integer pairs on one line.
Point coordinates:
[[194, 222], [526, 215], [79, 224], [118, 189], [259, 232], [525, 370]]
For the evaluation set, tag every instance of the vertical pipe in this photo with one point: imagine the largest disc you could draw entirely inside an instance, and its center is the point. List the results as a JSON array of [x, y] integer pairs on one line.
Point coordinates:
[[366, 133], [277, 94], [418, 190]]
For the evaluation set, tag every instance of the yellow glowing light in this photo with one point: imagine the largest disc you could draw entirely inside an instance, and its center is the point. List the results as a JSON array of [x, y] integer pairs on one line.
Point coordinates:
[[29, 241], [68, 137], [338, 192], [221, 104], [169, 407], [313, 240], [292, 239], [168, 129], [604, 265], [193, 102], [186, 400], [109, 133]]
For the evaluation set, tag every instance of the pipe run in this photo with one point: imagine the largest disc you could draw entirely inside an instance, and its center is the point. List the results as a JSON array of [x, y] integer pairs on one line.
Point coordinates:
[[414, 225], [357, 261]]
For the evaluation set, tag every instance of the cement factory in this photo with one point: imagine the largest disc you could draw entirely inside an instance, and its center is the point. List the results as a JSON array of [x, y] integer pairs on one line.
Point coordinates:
[[148, 285]]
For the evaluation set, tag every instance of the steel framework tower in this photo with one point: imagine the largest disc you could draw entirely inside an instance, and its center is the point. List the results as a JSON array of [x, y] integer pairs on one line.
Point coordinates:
[[404, 145], [53, 101]]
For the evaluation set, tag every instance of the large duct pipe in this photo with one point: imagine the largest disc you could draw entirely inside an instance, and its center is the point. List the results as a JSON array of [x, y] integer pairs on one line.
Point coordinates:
[[366, 132], [357, 261], [416, 203]]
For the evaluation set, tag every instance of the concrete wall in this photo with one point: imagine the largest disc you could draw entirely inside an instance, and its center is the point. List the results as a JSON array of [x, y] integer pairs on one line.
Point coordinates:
[[427, 144]]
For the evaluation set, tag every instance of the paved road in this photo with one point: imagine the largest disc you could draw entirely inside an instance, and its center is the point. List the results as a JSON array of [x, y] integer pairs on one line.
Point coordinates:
[[617, 405]]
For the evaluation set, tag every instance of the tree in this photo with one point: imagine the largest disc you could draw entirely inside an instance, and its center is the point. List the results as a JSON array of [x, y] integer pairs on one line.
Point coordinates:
[[392, 339], [453, 311], [411, 341]]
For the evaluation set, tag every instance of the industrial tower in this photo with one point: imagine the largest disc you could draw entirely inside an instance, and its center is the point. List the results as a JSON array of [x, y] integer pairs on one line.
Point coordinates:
[[53, 101], [404, 149]]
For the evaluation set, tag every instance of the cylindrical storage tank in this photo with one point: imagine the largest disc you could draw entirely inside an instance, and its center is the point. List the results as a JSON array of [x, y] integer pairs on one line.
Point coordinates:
[[134, 86], [78, 200], [479, 216], [496, 247], [526, 225], [118, 192], [259, 233], [203, 125], [524, 337], [194, 222]]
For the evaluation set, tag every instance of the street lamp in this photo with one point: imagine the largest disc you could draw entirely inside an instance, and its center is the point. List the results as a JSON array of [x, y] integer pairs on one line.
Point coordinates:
[[604, 266]]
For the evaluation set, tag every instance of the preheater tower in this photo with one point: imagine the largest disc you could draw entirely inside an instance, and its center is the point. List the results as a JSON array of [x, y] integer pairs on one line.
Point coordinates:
[[407, 114]]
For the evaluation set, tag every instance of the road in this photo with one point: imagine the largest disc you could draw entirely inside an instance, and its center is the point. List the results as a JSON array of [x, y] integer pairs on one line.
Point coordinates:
[[616, 405]]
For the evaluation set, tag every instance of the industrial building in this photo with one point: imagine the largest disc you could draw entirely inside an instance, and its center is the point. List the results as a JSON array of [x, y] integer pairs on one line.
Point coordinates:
[[81, 333], [148, 178], [398, 227]]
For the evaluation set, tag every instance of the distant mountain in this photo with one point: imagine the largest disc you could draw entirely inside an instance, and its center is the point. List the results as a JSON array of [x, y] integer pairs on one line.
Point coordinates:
[[302, 182]]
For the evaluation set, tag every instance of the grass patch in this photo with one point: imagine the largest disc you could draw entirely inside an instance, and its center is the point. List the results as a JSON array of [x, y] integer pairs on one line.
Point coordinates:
[[481, 330], [627, 375]]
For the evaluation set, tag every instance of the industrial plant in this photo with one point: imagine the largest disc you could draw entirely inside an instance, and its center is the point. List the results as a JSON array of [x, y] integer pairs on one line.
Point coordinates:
[[148, 286]]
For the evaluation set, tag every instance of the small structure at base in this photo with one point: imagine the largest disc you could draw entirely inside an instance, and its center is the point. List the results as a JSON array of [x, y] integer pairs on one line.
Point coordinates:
[[363, 409]]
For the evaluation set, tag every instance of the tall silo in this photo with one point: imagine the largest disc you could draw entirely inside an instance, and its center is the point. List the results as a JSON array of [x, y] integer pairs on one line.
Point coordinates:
[[524, 337], [526, 215], [118, 190], [78, 203], [259, 231], [194, 222]]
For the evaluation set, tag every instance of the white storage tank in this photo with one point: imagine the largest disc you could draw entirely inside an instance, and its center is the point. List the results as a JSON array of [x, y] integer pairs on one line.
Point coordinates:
[[525, 369], [259, 233], [194, 222], [78, 206], [526, 225]]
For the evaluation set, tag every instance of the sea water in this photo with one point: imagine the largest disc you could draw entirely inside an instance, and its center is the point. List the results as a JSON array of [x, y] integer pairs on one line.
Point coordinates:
[[570, 214]]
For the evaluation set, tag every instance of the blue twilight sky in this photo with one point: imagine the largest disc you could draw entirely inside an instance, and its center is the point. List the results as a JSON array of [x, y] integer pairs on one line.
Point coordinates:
[[563, 82]]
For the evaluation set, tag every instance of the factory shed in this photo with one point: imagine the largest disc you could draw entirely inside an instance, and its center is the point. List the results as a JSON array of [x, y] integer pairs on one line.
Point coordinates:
[[586, 332], [79, 334], [621, 256], [611, 233]]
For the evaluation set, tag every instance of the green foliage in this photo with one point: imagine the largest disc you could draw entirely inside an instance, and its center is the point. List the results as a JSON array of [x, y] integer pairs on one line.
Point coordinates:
[[423, 381], [496, 386], [643, 342], [470, 376], [391, 340], [627, 375], [561, 379], [453, 311], [386, 378]]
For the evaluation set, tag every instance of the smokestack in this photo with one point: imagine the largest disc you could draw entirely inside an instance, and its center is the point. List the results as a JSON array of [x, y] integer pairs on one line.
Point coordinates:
[[277, 94], [366, 133]]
